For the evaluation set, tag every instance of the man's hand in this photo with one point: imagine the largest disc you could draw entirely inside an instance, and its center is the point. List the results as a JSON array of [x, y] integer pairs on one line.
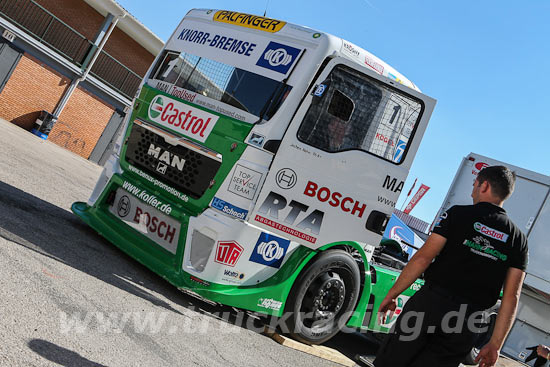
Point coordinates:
[[388, 304], [543, 351], [488, 355]]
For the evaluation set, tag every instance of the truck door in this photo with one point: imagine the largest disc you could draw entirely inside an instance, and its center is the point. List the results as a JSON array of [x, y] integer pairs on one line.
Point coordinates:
[[342, 163]]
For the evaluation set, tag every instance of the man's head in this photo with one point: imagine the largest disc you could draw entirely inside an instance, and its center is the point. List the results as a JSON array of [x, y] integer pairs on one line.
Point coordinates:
[[494, 184]]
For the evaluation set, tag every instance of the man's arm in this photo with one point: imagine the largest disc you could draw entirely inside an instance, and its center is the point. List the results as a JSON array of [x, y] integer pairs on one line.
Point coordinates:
[[505, 318], [416, 266]]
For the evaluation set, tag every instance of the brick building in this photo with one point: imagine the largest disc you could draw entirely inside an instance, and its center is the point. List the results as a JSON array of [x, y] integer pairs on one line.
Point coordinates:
[[81, 60]]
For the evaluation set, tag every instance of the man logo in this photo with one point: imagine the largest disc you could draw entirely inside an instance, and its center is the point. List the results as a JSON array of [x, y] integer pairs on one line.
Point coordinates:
[[278, 57], [270, 250], [161, 168], [123, 206], [286, 178]]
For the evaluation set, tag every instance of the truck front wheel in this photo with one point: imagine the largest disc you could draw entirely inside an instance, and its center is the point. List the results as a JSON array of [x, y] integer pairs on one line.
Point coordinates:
[[323, 297]]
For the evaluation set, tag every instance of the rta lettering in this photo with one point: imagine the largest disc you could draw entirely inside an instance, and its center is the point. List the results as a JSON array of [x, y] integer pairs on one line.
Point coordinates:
[[274, 203], [335, 199]]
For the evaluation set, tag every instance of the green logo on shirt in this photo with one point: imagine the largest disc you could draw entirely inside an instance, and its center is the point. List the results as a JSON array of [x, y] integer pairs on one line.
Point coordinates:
[[483, 247]]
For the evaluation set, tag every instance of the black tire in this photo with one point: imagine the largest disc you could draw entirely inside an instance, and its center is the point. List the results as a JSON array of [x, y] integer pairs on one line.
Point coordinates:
[[323, 298], [491, 316]]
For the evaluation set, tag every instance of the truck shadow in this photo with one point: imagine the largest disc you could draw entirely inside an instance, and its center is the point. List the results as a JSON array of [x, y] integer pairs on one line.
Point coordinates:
[[58, 234]]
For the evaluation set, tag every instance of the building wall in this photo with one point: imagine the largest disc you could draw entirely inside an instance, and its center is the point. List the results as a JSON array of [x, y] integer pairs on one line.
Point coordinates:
[[86, 20], [32, 87], [81, 123], [35, 86]]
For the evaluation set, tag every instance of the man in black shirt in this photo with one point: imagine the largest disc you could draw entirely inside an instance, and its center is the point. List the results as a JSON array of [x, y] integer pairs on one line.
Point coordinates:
[[476, 250]]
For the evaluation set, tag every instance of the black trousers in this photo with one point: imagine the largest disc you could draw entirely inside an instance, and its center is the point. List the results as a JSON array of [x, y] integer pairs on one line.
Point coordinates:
[[429, 332]]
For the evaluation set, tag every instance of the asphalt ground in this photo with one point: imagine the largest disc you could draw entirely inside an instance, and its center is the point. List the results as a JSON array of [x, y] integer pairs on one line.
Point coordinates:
[[68, 297]]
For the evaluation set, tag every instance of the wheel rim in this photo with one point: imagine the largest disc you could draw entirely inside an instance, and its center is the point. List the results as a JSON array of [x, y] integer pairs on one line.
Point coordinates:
[[324, 299]]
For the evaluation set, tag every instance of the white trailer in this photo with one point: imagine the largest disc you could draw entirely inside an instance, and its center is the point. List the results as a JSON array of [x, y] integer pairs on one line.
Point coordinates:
[[529, 209]]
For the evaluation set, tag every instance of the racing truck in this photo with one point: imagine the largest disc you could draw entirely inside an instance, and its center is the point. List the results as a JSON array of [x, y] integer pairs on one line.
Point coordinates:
[[258, 168]]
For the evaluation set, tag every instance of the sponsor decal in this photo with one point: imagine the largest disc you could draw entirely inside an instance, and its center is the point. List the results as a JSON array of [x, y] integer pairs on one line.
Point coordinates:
[[481, 165], [483, 247], [415, 287], [384, 139], [181, 118], [374, 65], [319, 90], [165, 159], [269, 250], [244, 182], [316, 35], [156, 182], [399, 150], [389, 321], [441, 217], [124, 206], [422, 190], [386, 201], [150, 223], [478, 167], [232, 276], [335, 199], [286, 178], [228, 253], [390, 184], [278, 57], [275, 203], [218, 41], [391, 76], [229, 209], [145, 197], [249, 21], [200, 281], [257, 140], [350, 50], [270, 304], [490, 232]]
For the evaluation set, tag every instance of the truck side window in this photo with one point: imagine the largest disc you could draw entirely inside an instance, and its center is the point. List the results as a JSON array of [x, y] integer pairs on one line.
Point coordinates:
[[357, 112]]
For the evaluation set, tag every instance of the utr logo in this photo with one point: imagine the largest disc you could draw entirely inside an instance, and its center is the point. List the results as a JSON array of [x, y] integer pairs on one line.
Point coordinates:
[[228, 253]]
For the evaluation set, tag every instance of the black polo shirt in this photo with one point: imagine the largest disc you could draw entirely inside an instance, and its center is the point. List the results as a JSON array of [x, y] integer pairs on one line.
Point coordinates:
[[482, 243]]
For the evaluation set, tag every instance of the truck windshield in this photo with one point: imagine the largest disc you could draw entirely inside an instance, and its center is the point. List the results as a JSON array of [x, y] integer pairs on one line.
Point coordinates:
[[239, 88]]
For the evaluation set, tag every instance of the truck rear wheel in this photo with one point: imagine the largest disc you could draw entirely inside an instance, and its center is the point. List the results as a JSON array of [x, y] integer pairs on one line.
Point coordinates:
[[323, 297], [490, 316]]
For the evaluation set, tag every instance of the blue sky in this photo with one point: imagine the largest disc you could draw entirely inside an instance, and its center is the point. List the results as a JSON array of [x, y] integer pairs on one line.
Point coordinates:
[[485, 62]]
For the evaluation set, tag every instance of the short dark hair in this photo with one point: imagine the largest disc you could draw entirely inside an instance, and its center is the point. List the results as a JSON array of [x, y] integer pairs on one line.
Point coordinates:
[[501, 179]]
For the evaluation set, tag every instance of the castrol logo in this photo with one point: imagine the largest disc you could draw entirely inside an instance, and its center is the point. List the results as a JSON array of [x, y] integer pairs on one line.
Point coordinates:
[[182, 118], [481, 165]]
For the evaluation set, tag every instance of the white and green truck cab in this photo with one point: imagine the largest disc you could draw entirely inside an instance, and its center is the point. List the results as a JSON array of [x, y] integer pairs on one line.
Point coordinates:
[[258, 168]]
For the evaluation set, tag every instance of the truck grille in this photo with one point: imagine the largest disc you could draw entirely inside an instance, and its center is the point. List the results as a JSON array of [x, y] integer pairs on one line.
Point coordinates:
[[176, 161]]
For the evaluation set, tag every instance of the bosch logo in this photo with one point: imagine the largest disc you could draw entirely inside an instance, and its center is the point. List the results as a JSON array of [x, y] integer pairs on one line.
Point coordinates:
[[481, 165], [286, 178], [270, 251], [123, 206], [278, 57]]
